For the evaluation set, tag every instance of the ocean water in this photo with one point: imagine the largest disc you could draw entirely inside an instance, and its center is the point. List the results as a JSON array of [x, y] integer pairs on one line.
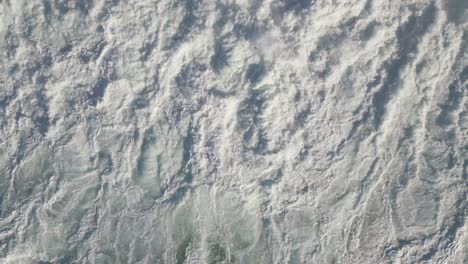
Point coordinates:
[[239, 131]]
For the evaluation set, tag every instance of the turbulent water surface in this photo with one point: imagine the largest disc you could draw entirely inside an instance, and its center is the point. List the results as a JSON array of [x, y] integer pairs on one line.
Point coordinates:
[[238, 131]]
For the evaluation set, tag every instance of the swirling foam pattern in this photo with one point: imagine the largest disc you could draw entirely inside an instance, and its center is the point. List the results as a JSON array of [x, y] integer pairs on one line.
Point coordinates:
[[259, 131]]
